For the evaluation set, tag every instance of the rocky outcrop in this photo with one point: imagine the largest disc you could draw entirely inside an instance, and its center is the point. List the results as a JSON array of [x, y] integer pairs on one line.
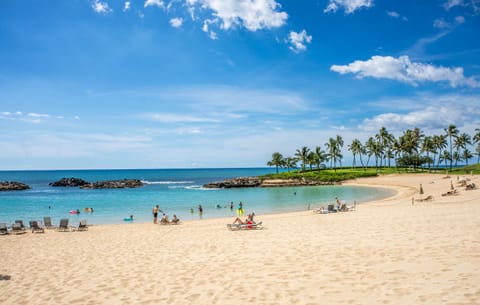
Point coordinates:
[[13, 186], [257, 182], [113, 184], [70, 182], [234, 183]]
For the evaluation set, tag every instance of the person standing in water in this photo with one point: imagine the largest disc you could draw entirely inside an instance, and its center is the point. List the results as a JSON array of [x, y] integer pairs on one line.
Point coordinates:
[[155, 213]]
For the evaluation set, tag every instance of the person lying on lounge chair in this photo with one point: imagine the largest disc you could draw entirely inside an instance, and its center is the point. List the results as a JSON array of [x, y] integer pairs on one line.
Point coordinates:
[[248, 220]]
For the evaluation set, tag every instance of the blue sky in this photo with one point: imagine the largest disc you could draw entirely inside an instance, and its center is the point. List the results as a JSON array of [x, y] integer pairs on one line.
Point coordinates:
[[225, 83]]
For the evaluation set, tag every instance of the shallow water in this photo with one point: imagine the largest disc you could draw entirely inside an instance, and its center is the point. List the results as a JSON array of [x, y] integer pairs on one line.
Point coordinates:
[[175, 190]]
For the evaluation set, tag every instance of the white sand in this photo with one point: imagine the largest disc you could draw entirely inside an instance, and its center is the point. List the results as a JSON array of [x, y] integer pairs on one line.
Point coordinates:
[[386, 252]]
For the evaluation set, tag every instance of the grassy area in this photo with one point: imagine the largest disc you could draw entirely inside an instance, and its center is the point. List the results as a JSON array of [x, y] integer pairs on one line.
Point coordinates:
[[344, 173], [324, 175]]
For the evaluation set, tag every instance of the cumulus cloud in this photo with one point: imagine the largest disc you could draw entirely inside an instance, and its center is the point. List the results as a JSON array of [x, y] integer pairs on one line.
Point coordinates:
[[251, 14], [402, 69], [298, 41], [158, 3], [126, 6], [349, 6], [101, 7], [176, 22]]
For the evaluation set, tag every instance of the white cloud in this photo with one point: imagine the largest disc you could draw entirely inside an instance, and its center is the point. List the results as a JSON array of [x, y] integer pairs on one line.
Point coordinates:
[[176, 22], [349, 6], [396, 15], [178, 118], [298, 41], [472, 5], [126, 6], [440, 23], [393, 14], [101, 7], [158, 3], [402, 69], [460, 19], [251, 14], [431, 113], [452, 3]]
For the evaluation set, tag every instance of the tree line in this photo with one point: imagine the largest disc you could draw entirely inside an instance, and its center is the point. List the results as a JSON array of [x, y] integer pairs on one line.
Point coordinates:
[[412, 149]]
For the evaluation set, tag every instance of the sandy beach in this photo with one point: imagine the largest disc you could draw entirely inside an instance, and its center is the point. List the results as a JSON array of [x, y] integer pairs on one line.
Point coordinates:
[[385, 252]]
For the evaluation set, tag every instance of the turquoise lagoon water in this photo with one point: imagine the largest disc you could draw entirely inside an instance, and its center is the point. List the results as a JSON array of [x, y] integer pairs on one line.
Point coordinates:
[[175, 190]]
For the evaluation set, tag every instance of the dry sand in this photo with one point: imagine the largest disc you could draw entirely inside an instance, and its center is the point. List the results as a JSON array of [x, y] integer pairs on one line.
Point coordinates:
[[386, 252]]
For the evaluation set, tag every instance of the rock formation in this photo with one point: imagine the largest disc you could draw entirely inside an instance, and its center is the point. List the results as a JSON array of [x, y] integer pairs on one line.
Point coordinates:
[[113, 184], [235, 182], [73, 182], [13, 186], [257, 182]]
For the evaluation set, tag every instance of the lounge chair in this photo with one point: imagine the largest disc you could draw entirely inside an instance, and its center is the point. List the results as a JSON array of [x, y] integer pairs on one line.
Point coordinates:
[[63, 227], [17, 228], [331, 208], [3, 229], [321, 210], [21, 223], [36, 227], [82, 226], [245, 226], [47, 222]]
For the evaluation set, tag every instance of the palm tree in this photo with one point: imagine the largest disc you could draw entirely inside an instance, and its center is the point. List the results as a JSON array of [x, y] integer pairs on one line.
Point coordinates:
[[289, 163], [451, 131], [321, 156], [277, 161], [439, 143], [428, 147], [370, 149], [445, 157], [302, 155], [384, 139], [467, 155], [334, 150], [477, 152], [312, 159], [356, 148], [476, 137]]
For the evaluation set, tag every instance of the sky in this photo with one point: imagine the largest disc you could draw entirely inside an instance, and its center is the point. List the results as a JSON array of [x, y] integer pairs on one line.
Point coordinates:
[[225, 83]]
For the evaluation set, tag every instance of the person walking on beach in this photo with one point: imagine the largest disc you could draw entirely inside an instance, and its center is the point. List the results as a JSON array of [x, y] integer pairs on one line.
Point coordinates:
[[155, 213]]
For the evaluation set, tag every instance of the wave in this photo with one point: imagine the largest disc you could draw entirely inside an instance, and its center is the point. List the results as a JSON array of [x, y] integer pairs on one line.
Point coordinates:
[[166, 182], [192, 187]]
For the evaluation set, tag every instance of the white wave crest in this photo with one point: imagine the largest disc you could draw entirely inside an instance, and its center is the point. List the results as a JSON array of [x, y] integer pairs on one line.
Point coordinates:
[[166, 182]]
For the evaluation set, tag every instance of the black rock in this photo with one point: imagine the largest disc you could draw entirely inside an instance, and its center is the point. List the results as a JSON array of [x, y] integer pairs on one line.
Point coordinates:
[[13, 186], [113, 184], [69, 182]]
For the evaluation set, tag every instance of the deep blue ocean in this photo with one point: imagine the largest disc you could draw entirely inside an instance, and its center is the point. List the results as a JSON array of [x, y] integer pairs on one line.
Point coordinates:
[[176, 191]]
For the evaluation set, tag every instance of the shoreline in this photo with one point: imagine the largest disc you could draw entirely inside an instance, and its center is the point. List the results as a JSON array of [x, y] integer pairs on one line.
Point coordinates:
[[386, 252]]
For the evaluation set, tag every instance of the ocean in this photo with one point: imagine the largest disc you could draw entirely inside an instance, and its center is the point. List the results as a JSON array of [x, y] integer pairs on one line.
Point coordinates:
[[176, 191]]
